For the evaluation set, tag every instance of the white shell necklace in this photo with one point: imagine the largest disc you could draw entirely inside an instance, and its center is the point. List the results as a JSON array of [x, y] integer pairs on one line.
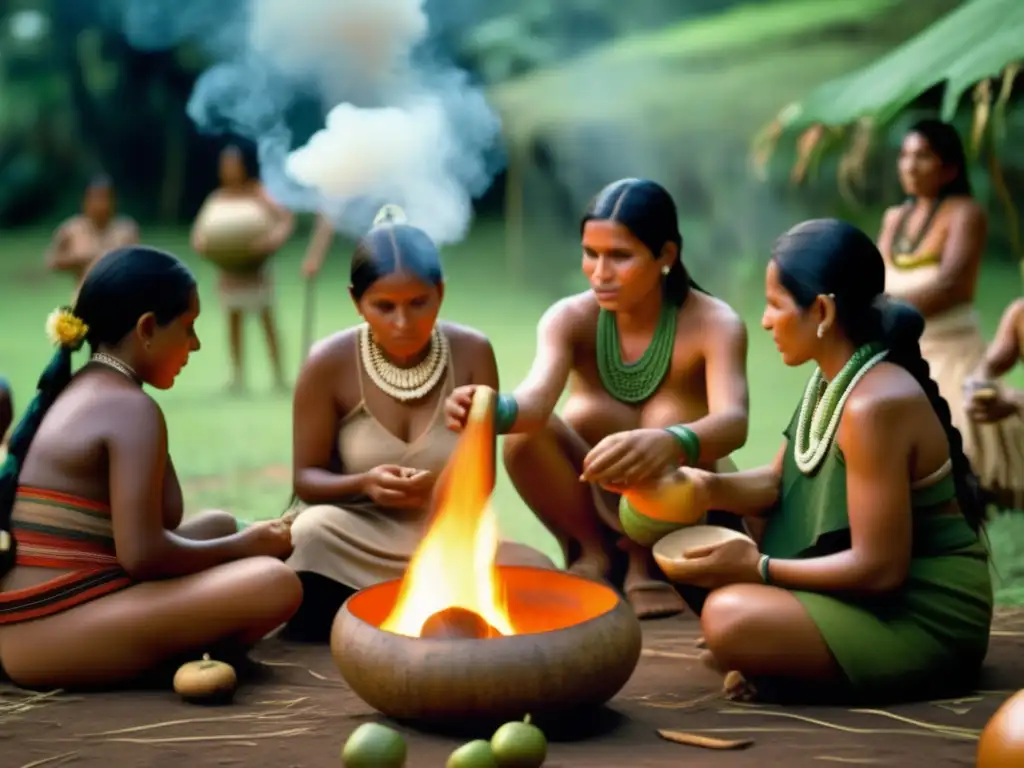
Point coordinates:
[[822, 407], [404, 384], [112, 362]]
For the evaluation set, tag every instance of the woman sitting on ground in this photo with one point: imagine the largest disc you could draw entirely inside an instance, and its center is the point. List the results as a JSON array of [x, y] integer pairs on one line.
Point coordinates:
[[100, 580], [642, 351], [871, 580], [368, 435]]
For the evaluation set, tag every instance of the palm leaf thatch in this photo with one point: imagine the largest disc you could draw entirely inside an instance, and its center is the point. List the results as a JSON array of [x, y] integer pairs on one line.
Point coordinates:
[[643, 103], [978, 46]]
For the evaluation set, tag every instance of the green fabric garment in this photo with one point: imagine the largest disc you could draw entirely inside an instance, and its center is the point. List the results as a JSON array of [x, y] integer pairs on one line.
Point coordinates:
[[937, 621]]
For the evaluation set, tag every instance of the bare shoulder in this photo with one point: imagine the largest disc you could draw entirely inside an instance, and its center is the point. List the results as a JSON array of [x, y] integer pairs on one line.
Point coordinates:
[[881, 406], [333, 353], [1015, 312], [127, 409], [466, 340], [718, 317], [966, 211], [892, 214], [573, 314]]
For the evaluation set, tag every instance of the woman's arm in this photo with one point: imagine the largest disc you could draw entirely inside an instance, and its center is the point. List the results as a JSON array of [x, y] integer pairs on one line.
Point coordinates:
[[315, 429], [538, 394], [955, 282], [319, 245], [1005, 350], [751, 493], [197, 241], [876, 446], [724, 429], [284, 221], [137, 456], [59, 256]]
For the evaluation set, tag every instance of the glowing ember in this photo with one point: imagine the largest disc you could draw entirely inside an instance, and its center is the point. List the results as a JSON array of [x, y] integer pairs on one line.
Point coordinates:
[[458, 623], [454, 566]]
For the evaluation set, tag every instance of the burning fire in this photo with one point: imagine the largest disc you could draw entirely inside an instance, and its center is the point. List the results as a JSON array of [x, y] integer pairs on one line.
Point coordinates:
[[454, 566]]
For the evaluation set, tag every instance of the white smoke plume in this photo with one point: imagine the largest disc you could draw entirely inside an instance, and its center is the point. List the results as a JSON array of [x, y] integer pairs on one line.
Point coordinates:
[[402, 129]]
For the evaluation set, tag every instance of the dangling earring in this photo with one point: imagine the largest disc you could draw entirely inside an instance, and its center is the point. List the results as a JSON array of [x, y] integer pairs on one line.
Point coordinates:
[[821, 331], [665, 270]]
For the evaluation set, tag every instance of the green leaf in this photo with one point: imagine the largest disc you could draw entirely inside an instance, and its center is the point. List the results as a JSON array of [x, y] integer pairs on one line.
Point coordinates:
[[975, 41]]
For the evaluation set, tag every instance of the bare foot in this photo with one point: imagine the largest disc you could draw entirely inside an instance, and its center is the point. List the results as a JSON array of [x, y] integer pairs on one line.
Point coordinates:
[[591, 565], [737, 688], [652, 599], [708, 660]]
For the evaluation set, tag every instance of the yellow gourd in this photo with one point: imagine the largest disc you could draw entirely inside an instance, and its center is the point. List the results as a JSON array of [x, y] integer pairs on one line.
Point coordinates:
[[206, 680]]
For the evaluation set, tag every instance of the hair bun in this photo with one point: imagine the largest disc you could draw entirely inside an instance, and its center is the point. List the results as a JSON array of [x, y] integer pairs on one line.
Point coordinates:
[[902, 324], [390, 214]]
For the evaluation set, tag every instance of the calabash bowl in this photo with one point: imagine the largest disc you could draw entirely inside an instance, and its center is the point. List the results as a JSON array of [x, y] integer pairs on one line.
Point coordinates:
[[576, 646]]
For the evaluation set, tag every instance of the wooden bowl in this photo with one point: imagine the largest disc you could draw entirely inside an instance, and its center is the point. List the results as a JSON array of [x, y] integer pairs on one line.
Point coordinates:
[[668, 552], [578, 645], [229, 228]]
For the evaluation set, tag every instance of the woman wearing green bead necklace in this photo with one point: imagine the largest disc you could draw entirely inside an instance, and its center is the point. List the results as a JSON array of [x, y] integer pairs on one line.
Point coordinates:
[[870, 580], [657, 378]]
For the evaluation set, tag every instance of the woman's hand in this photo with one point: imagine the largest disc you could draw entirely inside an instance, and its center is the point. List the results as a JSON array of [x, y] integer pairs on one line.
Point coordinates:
[[396, 487], [269, 538], [635, 457], [719, 565], [456, 407], [991, 404]]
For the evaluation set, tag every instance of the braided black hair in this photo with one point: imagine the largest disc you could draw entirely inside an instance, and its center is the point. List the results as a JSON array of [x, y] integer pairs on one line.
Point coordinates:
[[118, 289], [831, 257]]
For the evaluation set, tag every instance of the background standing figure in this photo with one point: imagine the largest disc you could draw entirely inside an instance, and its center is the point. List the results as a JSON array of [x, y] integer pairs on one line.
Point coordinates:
[[933, 245], [240, 227], [86, 236]]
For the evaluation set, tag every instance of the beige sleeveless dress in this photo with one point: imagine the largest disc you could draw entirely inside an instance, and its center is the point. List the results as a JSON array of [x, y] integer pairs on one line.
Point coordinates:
[[953, 346], [358, 543]]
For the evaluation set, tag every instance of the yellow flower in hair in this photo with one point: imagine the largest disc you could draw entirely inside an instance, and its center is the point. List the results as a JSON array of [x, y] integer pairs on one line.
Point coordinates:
[[64, 329]]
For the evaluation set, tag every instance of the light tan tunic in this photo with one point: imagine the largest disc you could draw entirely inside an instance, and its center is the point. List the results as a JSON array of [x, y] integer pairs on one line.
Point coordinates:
[[358, 543]]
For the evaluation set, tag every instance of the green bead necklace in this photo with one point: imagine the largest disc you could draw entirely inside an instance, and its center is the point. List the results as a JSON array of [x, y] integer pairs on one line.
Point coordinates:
[[822, 407], [635, 382]]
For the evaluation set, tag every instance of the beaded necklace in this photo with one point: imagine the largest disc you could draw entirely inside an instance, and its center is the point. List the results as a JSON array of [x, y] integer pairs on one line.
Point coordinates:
[[635, 382], [404, 384], [822, 407]]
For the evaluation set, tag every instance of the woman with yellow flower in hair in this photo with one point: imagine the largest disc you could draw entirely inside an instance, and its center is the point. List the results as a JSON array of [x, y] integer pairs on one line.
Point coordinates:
[[92, 541]]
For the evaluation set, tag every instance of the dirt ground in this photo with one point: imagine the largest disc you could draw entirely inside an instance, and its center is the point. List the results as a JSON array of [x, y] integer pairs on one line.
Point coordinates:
[[300, 713]]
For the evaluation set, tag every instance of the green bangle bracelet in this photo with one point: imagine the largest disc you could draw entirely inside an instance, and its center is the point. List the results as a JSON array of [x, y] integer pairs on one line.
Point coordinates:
[[688, 440], [506, 411]]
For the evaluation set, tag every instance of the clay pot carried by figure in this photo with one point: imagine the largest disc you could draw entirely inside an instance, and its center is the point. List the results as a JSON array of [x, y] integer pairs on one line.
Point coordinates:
[[230, 227]]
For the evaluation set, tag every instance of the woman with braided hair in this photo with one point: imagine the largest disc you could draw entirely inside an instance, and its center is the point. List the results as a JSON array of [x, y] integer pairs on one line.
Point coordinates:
[[100, 579], [871, 580]]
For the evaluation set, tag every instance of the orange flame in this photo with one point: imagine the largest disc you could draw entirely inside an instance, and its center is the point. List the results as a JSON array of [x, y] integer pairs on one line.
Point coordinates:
[[455, 565]]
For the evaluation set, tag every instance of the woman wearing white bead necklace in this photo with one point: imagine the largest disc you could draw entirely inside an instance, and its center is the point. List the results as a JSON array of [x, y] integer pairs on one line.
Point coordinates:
[[369, 437], [871, 580], [100, 579]]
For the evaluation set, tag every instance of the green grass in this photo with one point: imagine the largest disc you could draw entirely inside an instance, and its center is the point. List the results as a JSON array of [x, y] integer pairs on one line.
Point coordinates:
[[234, 453]]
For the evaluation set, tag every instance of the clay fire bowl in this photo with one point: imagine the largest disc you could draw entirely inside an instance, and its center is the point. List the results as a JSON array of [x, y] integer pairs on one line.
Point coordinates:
[[578, 645]]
